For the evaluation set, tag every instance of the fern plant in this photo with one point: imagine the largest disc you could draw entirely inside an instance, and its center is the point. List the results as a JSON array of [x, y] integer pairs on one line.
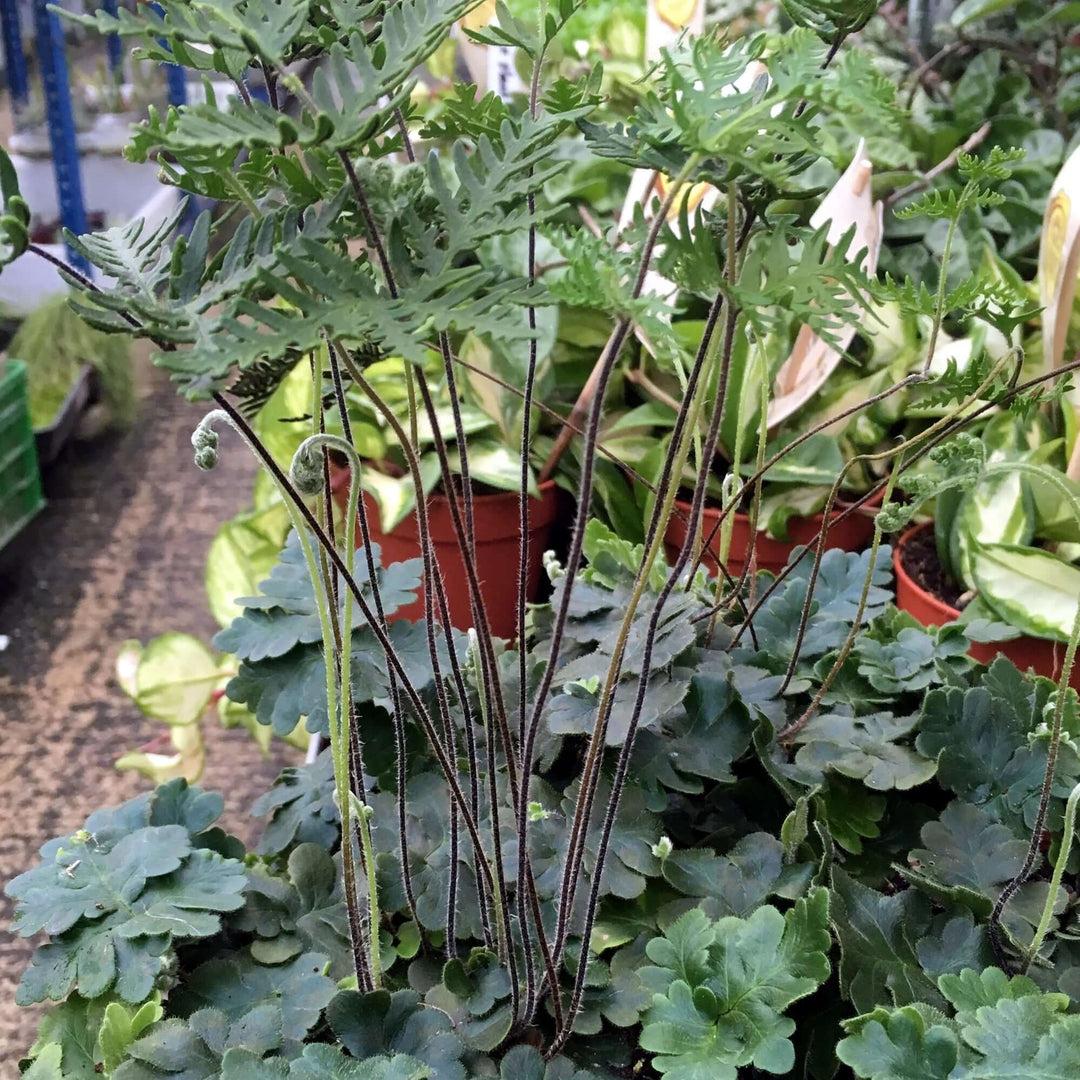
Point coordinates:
[[668, 828]]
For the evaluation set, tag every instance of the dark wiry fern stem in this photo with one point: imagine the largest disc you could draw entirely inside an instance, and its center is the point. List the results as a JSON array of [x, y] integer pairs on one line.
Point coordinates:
[[415, 701], [370, 224], [406, 142], [523, 576], [465, 530], [603, 369], [627, 748], [749, 483], [434, 589], [631, 474], [435, 586], [935, 430], [486, 698], [591, 773], [667, 488], [459, 516]]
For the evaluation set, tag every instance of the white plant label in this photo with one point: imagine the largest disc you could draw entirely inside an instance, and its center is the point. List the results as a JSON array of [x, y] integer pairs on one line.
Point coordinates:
[[1059, 261], [502, 75], [812, 360], [491, 66]]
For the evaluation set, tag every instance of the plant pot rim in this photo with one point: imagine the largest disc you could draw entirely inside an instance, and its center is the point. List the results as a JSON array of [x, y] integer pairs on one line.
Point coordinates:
[[947, 612], [838, 508], [339, 478]]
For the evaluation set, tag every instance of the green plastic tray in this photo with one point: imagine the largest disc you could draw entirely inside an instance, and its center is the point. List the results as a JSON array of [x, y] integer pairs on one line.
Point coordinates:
[[20, 480]]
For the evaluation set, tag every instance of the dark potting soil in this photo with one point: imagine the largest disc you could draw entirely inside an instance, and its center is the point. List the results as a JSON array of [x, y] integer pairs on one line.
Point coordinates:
[[919, 558]]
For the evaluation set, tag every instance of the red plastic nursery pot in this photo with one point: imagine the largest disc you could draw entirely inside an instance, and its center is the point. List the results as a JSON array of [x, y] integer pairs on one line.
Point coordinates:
[[497, 550], [851, 534], [1042, 656]]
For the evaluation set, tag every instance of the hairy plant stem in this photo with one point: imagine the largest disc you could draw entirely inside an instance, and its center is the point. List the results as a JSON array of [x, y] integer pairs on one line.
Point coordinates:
[[415, 701], [1014, 886], [434, 591], [507, 951], [395, 694], [626, 750], [678, 450], [894, 474], [462, 517], [596, 384], [736, 593], [523, 553], [1055, 879], [630, 473], [488, 666], [297, 511], [817, 429], [1035, 843], [466, 532], [1016, 390], [345, 739], [682, 437], [598, 380], [737, 449]]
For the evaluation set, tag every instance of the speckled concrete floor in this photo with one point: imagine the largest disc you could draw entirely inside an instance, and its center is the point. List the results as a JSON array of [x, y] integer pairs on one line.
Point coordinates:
[[118, 553]]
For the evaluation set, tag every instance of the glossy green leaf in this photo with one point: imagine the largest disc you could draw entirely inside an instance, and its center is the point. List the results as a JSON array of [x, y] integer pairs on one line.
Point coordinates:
[[1029, 588], [721, 989]]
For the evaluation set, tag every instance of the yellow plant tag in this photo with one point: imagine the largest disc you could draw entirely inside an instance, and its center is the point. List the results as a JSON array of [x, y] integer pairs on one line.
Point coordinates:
[[665, 20]]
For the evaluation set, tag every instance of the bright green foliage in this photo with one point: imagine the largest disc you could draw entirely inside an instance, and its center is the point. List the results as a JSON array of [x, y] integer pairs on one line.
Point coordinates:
[[294, 993], [1003, 1028], [721, 988], [192, 1049], [832, 18], [988, 746], [302, 808], [966, 849], [15, 219], [286, 614]]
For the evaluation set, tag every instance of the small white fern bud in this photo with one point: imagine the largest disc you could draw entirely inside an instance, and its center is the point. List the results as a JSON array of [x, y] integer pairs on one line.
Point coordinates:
[[306, 471], [205, 441]]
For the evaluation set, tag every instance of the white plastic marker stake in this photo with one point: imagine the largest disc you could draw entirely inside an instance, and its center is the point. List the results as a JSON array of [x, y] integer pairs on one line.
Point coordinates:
[[1059, 261], [665, 20], [490, 66], [812, 360]]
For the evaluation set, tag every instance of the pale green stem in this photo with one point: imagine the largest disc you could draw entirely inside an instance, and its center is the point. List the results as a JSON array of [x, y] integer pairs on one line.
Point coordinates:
[[322, 604], [307, 457], [242, 193], [1055, 880], [939, 305]]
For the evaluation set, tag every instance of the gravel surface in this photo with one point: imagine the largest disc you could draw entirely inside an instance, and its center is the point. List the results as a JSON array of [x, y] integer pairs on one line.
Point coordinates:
[[117, 553]]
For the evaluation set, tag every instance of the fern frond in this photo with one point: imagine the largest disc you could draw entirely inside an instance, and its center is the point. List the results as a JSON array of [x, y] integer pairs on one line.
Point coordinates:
[[819, 285]]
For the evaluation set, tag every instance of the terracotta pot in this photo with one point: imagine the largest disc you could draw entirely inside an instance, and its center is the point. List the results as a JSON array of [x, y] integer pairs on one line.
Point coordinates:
[[1040, 655], [851, 534], [497, 550]]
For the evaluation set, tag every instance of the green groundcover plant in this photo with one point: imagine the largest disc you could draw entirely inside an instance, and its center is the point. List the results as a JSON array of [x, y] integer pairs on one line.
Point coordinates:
[[682, 827]]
